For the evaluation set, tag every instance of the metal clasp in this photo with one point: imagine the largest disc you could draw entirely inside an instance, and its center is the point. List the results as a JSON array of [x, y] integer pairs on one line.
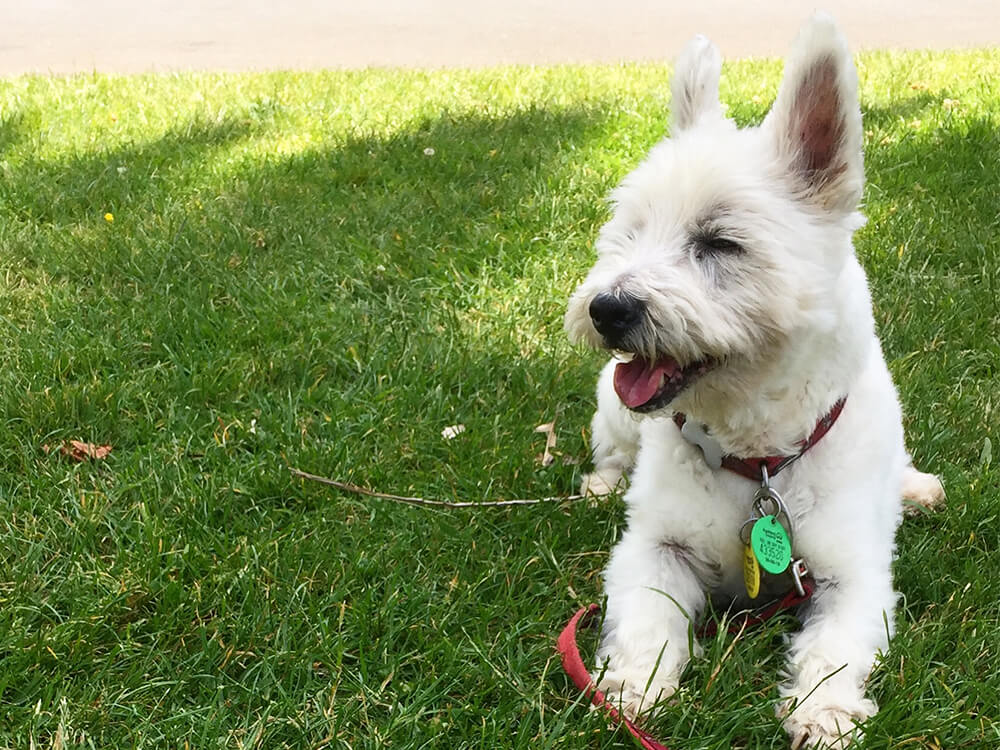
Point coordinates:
[[799, 571], [768, 495]]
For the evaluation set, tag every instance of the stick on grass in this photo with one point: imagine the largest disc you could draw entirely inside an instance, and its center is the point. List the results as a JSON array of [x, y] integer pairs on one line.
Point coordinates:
[[357, 490]]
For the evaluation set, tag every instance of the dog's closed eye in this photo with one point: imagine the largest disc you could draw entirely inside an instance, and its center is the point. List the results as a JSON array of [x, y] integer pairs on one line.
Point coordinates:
[[716, 244]]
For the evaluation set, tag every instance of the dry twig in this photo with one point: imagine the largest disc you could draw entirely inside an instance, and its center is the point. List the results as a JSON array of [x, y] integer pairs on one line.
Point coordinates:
[[348, 487]]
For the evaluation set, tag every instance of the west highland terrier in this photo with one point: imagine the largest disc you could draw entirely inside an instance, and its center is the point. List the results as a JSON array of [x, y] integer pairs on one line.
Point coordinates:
[[727, 285]]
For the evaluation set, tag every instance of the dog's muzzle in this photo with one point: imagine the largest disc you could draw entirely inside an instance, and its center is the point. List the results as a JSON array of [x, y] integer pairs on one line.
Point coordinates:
[[615, 316]]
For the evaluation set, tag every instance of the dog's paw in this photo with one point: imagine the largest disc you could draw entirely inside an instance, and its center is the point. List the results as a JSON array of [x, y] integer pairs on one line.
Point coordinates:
[[921, 491], [602, 482], [828, 727], [628, 692]]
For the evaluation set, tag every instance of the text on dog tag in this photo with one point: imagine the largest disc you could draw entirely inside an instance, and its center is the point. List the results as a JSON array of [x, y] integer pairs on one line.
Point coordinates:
[[770, 545]]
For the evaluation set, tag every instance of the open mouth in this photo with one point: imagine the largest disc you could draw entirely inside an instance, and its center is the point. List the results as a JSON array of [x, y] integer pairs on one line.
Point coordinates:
[[645, 385]]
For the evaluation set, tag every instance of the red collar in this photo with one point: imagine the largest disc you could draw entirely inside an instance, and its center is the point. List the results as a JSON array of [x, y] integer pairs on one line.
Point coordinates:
[[751, 467]]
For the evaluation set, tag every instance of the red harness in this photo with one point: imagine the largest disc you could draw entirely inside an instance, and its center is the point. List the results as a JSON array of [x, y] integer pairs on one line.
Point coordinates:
[[751, 468]]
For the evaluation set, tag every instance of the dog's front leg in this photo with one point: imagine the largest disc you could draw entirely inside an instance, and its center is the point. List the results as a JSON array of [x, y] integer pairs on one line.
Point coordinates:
[[652, 592], [831, 657]]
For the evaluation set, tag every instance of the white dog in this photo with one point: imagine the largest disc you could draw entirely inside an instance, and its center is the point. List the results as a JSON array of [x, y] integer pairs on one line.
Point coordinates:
[[728, 277]]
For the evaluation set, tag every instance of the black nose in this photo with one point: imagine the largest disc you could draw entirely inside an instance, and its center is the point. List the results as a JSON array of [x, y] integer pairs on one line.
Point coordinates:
[[615, 315]]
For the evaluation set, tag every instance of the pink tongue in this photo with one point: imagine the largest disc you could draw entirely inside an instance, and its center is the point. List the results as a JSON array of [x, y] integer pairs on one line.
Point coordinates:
[[636, 382]]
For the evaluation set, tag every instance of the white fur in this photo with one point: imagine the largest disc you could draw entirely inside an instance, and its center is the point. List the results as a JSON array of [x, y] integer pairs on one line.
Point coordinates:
[[614, 440], [790, 320]]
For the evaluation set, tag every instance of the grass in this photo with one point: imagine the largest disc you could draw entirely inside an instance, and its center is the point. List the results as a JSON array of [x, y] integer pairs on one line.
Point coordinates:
[[326, 270]]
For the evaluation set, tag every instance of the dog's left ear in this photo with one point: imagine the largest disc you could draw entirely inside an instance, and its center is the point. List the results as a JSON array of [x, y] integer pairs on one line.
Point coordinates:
[[816, 119], [695, 86]]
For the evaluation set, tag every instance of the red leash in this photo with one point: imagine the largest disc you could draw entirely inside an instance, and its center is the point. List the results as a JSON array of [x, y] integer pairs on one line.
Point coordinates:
[[574, 667], [577, 671]]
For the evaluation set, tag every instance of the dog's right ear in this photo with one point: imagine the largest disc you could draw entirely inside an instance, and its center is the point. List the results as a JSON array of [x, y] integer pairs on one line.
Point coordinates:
[[816, 119], [695, 86]]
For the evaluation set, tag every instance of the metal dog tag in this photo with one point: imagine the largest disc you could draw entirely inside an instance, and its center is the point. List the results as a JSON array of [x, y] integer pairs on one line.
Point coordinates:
[[695, 434]]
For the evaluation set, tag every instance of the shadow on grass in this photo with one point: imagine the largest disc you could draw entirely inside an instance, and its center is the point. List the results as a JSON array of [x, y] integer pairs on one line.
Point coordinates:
[[426, 202], [879, 115], [346, 264], [425, 198], [15, 128], [934, 263], [65, 192], [333, 276]]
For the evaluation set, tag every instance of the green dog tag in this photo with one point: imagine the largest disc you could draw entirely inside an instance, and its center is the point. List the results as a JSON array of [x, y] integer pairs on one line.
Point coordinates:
[[771, 545]]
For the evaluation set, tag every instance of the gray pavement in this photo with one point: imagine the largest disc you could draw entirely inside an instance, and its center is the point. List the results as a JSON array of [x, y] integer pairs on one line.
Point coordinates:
[[63, 36]]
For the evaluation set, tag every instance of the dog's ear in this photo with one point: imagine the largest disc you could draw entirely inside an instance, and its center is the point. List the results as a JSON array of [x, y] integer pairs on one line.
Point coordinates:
[[816, 119], [695, 86]]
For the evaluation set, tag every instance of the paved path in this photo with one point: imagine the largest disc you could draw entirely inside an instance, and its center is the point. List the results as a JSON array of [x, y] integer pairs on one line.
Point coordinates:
[[141, 35]]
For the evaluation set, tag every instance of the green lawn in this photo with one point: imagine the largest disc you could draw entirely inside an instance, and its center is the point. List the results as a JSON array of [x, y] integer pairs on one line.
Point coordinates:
[[325, 271]]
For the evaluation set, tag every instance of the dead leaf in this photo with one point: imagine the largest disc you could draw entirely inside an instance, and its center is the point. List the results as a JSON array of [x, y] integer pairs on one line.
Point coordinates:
[[80, 451], [549, 428]]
